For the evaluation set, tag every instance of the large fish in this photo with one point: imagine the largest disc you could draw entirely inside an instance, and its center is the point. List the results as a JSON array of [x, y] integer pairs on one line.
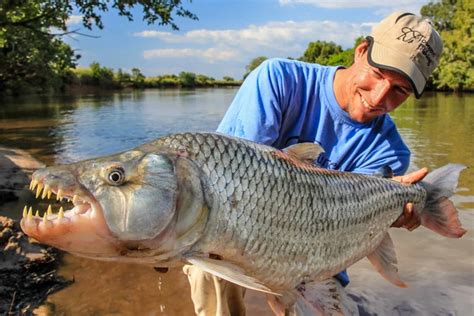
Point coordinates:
[[257, 216]]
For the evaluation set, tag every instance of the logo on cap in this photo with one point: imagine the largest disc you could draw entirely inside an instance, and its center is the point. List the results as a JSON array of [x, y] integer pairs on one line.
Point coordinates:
[[409, 36]]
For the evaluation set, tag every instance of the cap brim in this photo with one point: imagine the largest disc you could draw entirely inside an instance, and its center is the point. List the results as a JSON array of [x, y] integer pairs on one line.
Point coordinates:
[[383, 57]]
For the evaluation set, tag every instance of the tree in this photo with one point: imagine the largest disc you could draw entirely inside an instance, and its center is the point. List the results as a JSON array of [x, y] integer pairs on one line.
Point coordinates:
[[254, 63], [32, 55], [345, 58], [320, 52], [455, 22], [137, 78], [102, 76], [187, 79]]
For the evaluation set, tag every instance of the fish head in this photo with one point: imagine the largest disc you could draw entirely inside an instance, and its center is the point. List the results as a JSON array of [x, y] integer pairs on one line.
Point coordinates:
[[123, 205]]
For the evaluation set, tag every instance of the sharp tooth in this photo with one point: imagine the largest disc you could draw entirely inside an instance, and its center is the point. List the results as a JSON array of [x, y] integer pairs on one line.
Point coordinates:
[[39, 189], [74, 198], [45, 191], [59, 195], [25, 211], [44, 218], [30, 210], [61, 213], [50, 210], [37, 213], [49, 194], [30, 213], [33, 184]]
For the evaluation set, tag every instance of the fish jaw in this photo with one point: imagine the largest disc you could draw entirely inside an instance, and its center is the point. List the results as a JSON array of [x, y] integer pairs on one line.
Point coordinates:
[[82, 229]]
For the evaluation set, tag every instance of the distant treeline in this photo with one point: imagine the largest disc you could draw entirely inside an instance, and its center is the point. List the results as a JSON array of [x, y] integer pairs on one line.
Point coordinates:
[[107, 78]]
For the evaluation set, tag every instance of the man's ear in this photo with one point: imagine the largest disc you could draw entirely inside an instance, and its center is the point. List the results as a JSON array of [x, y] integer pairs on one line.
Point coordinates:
[[360, 50]]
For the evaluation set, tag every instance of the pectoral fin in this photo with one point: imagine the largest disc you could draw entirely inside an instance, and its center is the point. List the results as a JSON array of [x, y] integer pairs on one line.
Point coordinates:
[[229, 272], [384, 260]]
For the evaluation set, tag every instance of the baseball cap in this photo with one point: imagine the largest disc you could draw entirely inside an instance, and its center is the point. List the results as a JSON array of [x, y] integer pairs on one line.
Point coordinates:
[[408, 44]]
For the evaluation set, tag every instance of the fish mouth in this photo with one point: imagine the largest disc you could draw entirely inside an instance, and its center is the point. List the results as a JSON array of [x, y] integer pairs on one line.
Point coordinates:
[[83, 205], [80, 229]]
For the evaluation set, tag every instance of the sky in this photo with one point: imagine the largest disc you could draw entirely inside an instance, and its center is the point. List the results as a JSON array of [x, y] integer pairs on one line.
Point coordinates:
[[228, 34]]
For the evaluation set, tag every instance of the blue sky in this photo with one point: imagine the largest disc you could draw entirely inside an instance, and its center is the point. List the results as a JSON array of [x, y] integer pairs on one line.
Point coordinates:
[[229, 33]]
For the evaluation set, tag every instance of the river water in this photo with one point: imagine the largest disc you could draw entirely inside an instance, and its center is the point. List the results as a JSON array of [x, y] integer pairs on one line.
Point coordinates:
[[439, 129]]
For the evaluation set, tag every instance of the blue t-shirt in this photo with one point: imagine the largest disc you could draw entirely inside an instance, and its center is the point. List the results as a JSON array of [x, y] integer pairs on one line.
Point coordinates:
[[284, 102]]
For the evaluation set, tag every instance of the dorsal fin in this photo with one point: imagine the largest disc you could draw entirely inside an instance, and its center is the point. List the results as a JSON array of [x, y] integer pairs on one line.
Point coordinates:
[[307, 152]]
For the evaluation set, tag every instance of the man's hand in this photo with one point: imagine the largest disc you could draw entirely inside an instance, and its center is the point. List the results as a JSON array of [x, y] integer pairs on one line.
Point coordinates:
[[409, 219]]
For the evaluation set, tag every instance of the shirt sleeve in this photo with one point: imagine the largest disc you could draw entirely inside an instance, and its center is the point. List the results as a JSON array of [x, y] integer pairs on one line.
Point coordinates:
[[391, 152], [256, 113]]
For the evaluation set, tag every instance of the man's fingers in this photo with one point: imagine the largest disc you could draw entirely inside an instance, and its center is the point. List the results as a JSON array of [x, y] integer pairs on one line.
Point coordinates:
[[412, 177]]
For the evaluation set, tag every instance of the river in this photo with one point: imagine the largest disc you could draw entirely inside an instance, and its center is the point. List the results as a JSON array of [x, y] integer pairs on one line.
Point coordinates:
[[439, 128]]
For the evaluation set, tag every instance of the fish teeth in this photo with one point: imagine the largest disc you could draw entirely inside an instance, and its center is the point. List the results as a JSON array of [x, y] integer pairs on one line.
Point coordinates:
[[45, 220], [30, 214], [50, 210], [75, 199], [39, 189], [61, 213], [46, 190], [25, 211], [37, 213], [33, 184], [59, 195]]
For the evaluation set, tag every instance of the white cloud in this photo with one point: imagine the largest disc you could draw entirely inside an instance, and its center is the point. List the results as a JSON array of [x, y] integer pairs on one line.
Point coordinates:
[[210, 54], [282, 39], [74, 19], [390, 5], [230, 50]]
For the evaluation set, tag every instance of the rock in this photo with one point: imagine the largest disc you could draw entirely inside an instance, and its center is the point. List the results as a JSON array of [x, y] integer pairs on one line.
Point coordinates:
[[28, 270]]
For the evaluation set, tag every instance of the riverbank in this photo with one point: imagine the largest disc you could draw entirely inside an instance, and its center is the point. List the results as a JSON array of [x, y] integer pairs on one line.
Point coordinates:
[[28, 270]]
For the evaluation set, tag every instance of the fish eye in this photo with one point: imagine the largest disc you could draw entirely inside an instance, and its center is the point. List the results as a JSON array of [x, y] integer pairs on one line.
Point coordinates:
[[116, 176]]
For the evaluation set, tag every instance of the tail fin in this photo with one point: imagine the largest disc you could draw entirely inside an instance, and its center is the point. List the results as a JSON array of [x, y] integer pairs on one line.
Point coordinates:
[[439, 214]]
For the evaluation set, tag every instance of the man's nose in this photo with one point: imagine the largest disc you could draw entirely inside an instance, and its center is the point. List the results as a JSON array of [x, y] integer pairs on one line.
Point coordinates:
[[380, 91]]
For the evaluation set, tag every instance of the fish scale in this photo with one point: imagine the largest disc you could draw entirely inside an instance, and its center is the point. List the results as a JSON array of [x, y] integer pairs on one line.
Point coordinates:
[[308, 210]]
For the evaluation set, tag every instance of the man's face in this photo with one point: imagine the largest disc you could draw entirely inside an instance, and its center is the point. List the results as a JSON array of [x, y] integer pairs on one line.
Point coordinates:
[[374, 91]]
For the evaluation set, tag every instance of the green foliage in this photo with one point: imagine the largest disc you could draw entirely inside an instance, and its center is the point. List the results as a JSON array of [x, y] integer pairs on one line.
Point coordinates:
[[31, 60], [102, 76], [187, 79], [254, 63], [346, 57], [137, 78], [455, 22], [320, 52], [33, 57]]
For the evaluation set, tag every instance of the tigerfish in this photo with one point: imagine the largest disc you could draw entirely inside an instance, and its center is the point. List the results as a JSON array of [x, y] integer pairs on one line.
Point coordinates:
[[257, 216]]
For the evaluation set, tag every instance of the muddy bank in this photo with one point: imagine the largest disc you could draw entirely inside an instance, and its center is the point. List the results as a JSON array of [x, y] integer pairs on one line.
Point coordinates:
[[27, 270], [16, 167]]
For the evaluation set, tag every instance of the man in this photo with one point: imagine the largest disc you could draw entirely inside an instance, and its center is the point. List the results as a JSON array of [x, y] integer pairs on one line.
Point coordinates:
[[284, 102]]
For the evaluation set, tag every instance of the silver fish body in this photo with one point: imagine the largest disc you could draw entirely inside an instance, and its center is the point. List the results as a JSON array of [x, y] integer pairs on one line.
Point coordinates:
[[277, 218], [284, 221]]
